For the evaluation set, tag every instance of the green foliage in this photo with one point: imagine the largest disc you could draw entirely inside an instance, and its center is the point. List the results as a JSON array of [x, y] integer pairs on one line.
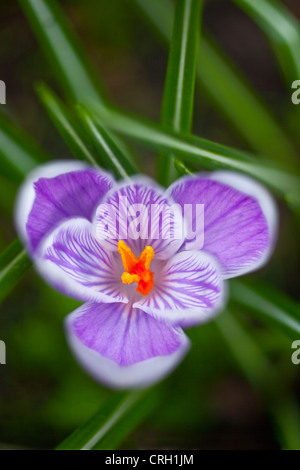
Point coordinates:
[[14, 263], [111, 156], [87, 125], [18, 153], [178, 99], [269, 305], [118, 416], [62, 49], [281, 28], [202, 152], [67, 126], [228, 89], [263, 376]]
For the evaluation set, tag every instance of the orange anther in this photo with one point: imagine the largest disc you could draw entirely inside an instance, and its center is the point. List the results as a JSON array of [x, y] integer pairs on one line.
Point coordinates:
[[137, 270]]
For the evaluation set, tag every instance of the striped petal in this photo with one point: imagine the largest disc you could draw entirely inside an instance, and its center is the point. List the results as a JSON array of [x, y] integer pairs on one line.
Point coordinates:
[[240, 219], [124, 347], [54, 193], [72, 261], [188, 290], [139, 213]]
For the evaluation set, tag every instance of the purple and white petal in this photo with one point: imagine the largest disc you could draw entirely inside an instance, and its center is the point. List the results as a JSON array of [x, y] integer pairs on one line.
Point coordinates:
[[139, 213], [55, 192], [240, 219], [72, 260], [124, 347], [188, 290]]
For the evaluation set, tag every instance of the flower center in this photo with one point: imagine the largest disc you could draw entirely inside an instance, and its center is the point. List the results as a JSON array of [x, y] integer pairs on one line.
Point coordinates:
[[137, 269]]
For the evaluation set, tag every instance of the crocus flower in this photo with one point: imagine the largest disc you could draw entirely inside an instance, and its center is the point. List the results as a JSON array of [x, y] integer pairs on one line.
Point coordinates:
[[139, 292]]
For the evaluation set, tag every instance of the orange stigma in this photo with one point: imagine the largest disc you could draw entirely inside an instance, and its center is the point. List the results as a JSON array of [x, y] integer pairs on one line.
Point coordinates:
[[137, 269]]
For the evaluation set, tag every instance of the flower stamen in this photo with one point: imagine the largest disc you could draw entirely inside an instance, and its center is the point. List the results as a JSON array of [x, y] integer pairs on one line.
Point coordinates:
[[137, 270]]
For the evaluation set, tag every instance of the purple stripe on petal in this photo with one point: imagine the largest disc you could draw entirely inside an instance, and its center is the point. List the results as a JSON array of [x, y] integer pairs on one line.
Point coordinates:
[[188, 290], [141, 215], [240, 218], [56, 192], [72, 260], [124, 347]]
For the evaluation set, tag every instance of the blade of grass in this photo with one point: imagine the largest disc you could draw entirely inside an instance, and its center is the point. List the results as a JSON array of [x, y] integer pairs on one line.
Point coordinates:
[[18, 154], [14, 263], [241, 106], [264, 378], [268, 305], [147, 403], [119, 415], [66, 125], [91, 143], [254, 366], [62, 50], [111, 155], [181, 168], [200, 151], [281, 28], [227, 89], [8, 189], [178, 99]]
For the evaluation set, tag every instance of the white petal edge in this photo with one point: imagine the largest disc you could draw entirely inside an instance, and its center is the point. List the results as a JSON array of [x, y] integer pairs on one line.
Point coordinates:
[[107, 372]]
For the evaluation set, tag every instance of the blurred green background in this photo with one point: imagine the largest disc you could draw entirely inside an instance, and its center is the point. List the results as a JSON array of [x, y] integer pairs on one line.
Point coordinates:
[[220, 396]]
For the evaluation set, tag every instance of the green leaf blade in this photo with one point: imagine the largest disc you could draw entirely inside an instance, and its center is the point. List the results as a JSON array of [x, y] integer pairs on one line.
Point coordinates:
[[281, 28], [198, 151], [119, 415], [66, 125], [263, 376], [62, 49], [268, 305], [109, 152], [14, 263], [18, 154], [178, 100]]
